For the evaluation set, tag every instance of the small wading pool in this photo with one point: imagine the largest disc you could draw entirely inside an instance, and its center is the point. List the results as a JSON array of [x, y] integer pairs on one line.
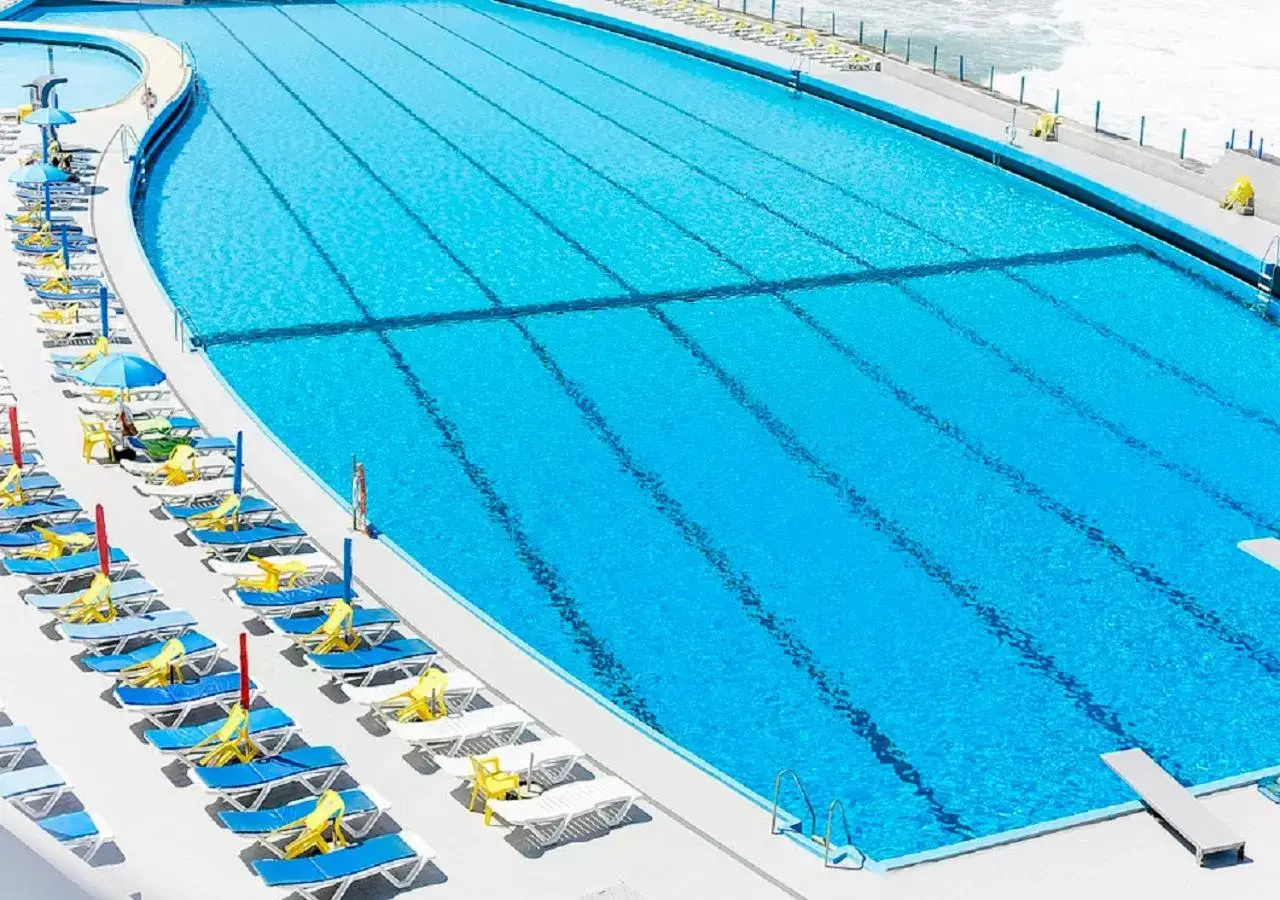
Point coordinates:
[[94, 77], [806, 441]]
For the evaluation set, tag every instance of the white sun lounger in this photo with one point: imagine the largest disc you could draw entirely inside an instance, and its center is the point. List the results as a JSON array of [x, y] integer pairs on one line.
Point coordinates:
[[548, 761], [190, 491], [501, 724], [139, 408], [209, 465], [1174, 804], [547, 816], [459, 691]]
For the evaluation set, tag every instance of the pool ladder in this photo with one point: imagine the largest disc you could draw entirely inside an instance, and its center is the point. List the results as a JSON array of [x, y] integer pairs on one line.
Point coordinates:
[[846, 856], [1267, 272]]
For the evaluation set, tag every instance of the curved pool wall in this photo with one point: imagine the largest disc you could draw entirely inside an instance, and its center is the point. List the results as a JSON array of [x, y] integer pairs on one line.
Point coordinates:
[[96, 76], [1162, 226], [159, 128]]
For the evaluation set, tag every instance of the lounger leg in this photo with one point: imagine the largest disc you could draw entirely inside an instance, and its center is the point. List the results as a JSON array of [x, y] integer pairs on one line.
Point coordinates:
[[415, 867]]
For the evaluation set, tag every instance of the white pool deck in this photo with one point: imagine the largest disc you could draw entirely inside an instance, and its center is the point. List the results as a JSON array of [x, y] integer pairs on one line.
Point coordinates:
[[701, 838]]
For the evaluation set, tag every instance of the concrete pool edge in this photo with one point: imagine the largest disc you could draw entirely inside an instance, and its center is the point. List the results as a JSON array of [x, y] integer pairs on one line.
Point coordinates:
[[1165, 227]]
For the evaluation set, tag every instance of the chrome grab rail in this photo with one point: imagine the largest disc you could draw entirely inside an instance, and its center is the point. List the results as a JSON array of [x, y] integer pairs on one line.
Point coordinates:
[[777, 790], [848, 836]]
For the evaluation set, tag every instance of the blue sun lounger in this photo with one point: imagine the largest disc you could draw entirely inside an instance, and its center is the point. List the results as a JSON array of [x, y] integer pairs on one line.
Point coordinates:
[[35, 790], [180, 700], [246, 785], [101, 638], [271, 727], [250, 509], [202, 655], [21, 540], [133, 596], [362, 808], [284, 537], [52, 575], [290, 601], [200, 444], [373, 624], [79, 832], [28, 459], [54, 509], [399, 858], [16, 741], [38, 487], [408, 656]]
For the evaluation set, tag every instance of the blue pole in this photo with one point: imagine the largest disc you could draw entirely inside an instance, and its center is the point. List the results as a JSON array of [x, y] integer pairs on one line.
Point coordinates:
[[346, 570], [1182, 148], [1142, 129], [44, 144], [860, 24], [237, 476], [802, 17], [833, 24], [1022, 89], [884, 43], [66, 249], [773, 10], [908, 49], [50, 50], [991, 82], [1097, 115], [1231, 144], [48, 204], [935, 59], [1057, 95], [1259, 148], [1250, 138], [102, 309], [962, 68]]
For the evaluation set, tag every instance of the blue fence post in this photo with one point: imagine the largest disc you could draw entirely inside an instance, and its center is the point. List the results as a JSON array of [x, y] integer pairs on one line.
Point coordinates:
[[1057, 95], [1142, 130], [991, 81], [773, 10], [833, 24], [962, 68], [860, 24], [935, 59], [1250, 138], [802, 17], [884, 43], [1097, 115], [1182, 147], [908, 50], [1259, 148], [1022, 89], [1231, 144], [744, 7]]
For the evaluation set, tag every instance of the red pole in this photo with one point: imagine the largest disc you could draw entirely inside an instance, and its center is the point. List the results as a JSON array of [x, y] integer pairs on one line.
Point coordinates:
[[244, 671], [15, 437], [104, 552]]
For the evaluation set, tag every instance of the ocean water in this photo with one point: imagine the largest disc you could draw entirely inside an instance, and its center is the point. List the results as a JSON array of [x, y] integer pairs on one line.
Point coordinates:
[[1201, 65], [805, 441]]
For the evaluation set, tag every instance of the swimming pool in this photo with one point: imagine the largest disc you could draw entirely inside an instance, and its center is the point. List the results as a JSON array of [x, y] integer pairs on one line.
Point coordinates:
[[807, 442], [94, 77]]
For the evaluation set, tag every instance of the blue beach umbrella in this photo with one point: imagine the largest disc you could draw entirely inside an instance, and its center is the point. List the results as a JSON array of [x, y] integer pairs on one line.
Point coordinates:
[[346, 570], [121, 371], [102, 305], [47, 117], [66, 250], [237, 474], [42, 174]]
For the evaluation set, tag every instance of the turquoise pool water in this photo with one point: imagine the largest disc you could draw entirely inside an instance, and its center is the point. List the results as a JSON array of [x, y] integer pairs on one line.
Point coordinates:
[[807, 442], [94, 77]]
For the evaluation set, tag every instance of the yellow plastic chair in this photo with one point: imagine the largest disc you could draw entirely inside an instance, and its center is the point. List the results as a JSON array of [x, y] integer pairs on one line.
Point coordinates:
[[425, 700], [43, 237], [96, 435], [1240, 197], [275, 575], [11, 493], [181, 466], [94, 605], [223, 517], [101, 347], [811, 38], [60, 315], [492, 782], [325, 818], [54, 546], [336, 632], [230, 743], [1046, 126], [161, 670]]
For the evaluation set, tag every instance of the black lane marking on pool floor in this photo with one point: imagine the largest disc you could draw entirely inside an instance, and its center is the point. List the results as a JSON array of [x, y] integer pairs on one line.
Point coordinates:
[[1038, 660], [611, 672], [881, 745], [632, 301], [1197, 384], [1142, 571]]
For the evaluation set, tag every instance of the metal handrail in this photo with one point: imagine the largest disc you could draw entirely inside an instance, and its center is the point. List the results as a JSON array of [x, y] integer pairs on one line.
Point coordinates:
[[1267, 279], [777, 790], [184, 330], [188, 54], [848, 835], [127, 134]]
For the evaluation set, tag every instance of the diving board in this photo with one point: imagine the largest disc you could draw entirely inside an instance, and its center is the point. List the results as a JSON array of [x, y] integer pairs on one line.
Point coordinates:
[[1265, 549], [1174, 804]]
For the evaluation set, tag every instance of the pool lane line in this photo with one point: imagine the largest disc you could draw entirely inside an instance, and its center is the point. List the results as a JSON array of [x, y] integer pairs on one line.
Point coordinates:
[[1039, 660], [610, 671], [1198, 385], [731, 291], [835, 697], [1141, 571], [1023, 642]]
